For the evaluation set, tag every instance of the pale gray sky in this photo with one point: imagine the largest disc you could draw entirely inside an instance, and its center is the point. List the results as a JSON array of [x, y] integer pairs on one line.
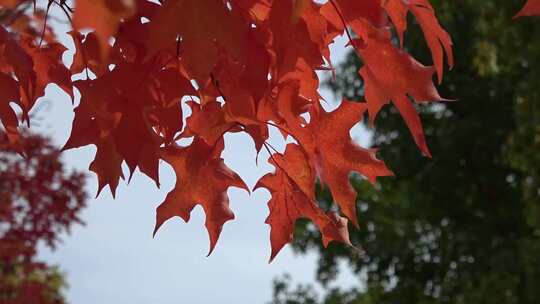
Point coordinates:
[[113, 259]]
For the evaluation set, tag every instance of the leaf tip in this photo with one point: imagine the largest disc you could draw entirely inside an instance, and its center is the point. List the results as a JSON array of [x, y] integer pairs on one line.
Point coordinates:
[[275, 251], [212, 247], [156, 228]]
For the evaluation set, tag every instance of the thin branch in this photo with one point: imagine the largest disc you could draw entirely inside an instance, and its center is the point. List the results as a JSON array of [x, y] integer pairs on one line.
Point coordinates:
[[49, 4], [338, 11]]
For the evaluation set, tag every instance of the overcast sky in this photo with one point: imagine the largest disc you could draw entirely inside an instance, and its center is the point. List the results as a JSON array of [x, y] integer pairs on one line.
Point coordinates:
[[114, 259]]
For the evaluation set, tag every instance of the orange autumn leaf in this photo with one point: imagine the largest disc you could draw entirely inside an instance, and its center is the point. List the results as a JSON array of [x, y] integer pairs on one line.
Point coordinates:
[[9, 92], [201, 178], [293, 198], [9, 3], [103, 16], [437, 38], [390, 74]]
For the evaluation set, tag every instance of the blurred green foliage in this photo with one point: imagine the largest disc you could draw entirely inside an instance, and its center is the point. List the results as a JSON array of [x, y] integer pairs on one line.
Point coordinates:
[[40, 200], [463, 227]]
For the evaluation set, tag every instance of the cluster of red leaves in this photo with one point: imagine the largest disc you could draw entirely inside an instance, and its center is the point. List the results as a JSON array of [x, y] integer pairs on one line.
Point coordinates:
[[38, 201], [25, 67], [245, 65]]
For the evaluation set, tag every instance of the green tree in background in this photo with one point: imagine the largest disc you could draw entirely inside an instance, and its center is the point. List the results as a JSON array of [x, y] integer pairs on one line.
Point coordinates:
[[40, 200], [463, 227]]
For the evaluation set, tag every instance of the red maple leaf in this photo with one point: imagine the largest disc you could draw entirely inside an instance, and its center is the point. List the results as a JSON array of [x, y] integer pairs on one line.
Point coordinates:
[[531, 8], [201, 178], [292, 188]]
